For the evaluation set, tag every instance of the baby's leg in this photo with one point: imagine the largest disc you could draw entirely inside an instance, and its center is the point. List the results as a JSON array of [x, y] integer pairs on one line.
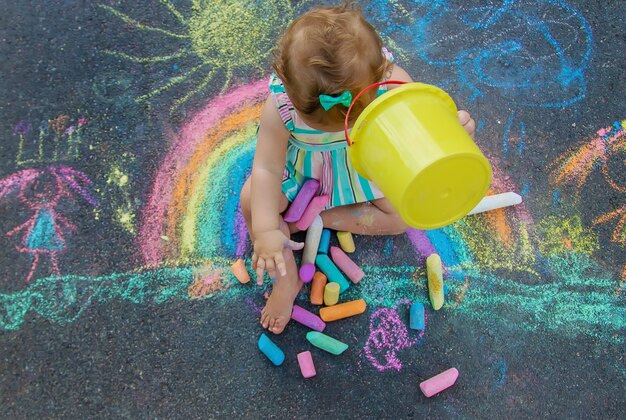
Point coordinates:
[[377, 217], [277, 311]]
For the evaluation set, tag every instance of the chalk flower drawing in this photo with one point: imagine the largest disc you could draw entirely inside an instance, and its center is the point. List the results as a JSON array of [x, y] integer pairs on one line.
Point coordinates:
[[218, 38], [55, 140]]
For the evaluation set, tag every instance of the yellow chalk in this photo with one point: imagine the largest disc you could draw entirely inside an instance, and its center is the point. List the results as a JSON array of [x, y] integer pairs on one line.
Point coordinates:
[[331, 294], [435, 280], [346, 241], [239, 270]]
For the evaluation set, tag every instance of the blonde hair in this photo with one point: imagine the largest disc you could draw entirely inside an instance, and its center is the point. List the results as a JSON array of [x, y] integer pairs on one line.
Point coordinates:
[[328, 51]]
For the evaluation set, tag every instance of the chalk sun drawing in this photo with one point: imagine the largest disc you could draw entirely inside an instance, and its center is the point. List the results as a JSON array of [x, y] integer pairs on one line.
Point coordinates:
[[218, 38]]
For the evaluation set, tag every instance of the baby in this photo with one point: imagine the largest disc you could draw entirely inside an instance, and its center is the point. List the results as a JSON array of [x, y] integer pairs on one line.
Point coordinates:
[[326, 57]]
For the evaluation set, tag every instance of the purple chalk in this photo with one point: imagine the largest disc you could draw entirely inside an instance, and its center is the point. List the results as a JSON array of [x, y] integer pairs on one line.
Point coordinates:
[[307, 318], [307, 271], [302, 200], [314, 208]]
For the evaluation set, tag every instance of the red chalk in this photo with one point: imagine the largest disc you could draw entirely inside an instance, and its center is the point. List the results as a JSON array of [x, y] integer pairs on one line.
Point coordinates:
[[314, 208], [346, 265], [307, 318], [307, 271], [301, 201], [306, 364], [439, 382]]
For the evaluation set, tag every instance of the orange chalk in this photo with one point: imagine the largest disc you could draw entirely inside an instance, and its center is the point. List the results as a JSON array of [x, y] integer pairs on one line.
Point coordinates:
[[343, 310], [239, 270], [317, 288]]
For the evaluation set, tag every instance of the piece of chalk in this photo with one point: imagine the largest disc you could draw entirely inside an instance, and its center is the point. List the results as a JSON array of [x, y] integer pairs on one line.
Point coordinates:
[[306, 272], [271, 350], [439, 382], [497, 201], [312, 241], [343, 310], [239, 270], [332, 272], [346, 242], [317, 288], [416, 316], [435, 281], [314, 208], [331, 294], [302, 200], [346, 264], [305, 360], [324, 242], [307, 318], [326, 343]]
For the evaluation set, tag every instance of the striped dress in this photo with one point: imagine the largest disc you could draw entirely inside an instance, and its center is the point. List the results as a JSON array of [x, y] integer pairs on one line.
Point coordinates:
[[314, 154]]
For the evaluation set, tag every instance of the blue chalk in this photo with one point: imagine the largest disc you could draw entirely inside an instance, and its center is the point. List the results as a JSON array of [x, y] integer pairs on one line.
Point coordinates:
[[271, 350], [445, 290], [332, 272], [324, 242], [417, 316]]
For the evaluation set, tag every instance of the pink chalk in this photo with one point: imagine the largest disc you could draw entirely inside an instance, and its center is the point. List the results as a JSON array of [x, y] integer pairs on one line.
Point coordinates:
[[306, 364], [314, 208], [302, 200], [307, 271], [346, 265], [307, 318], [439, 382]]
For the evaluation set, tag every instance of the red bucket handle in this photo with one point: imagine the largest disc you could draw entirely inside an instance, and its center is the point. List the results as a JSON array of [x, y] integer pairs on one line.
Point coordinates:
[[385, 82]]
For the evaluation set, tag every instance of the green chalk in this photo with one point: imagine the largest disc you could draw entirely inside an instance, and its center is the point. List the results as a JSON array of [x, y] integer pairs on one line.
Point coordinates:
[[327, 343]]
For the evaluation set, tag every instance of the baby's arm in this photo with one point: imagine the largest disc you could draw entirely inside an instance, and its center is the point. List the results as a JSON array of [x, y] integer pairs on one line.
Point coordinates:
[[266, 192], [465, 118]]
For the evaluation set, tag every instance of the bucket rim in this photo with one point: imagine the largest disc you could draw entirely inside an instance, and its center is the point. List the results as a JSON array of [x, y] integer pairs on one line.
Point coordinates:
[[405, 86]]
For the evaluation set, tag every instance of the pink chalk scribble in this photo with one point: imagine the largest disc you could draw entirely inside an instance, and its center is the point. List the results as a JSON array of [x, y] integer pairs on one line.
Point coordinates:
[[388, 335]]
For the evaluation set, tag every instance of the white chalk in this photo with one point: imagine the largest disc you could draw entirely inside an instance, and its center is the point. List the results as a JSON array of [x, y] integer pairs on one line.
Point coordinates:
[[312, 241], [497, 201]]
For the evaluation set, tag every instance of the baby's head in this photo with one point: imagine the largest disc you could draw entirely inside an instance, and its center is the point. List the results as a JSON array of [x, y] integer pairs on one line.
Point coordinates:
[[326, 52]]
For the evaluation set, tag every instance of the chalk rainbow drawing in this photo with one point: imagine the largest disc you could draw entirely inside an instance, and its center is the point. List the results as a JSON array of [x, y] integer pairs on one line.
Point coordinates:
[[190, 231], [41, 191], [218, 38]]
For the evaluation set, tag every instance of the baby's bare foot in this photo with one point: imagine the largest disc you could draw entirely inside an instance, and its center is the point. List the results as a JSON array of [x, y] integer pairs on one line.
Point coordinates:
[[277, 311]]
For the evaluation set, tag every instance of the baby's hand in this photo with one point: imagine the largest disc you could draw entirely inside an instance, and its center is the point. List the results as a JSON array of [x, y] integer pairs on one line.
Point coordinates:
[[467, 122], [268, 253]]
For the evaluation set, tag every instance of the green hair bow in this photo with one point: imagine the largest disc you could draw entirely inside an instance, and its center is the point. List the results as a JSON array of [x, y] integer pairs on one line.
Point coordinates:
[[328, 101]]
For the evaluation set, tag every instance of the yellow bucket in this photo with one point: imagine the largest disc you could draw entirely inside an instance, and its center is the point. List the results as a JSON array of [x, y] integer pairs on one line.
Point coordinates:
[[410, 143]]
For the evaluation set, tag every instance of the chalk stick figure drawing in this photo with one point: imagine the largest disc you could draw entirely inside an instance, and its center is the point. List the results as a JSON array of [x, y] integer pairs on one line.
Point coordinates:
[[215, 39], [530, 53], [41, 191]]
